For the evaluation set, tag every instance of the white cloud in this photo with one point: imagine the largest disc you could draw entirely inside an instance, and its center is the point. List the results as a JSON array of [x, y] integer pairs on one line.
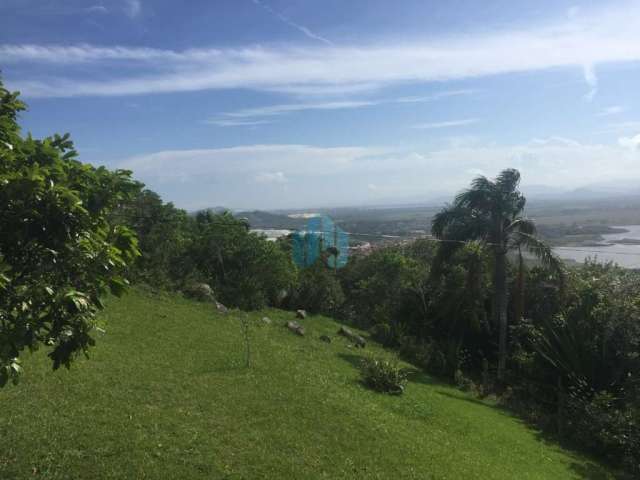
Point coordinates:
[[630, 142], [447, 124], [244, 176], [591, 39], [248, 161]]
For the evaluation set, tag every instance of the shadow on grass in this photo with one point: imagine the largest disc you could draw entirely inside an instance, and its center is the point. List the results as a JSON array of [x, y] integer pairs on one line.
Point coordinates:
[[585, 469], [354, 360], [592, 471], [463, 397]]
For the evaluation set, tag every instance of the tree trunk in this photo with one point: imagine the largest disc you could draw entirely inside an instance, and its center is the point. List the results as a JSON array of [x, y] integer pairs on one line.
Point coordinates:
[[520, 288], [500, 302]]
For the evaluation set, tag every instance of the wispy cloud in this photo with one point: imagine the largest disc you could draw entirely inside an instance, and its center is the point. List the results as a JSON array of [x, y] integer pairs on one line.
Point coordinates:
[[291, 23], [97, 9], [593, 38], [592, 81], [447, 124], [622, 126], [296, 107], [227, 119], [221, 122], [613, 110]]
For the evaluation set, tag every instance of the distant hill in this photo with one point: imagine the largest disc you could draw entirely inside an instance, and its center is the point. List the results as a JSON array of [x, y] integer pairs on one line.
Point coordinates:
[[262, 219]]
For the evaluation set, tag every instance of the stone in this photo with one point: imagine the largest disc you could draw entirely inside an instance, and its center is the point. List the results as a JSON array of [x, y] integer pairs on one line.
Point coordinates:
[[301, 314], [295, 327], [357, 340], [199, 291], [266, 320], [221, 308]]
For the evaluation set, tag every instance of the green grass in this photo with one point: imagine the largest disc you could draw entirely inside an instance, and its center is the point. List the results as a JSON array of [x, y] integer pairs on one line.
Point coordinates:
[[166, 394]]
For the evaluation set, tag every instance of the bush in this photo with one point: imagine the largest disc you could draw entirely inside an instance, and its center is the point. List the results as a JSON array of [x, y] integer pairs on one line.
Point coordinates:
[[318, 291], [597, 421], [383, 375]]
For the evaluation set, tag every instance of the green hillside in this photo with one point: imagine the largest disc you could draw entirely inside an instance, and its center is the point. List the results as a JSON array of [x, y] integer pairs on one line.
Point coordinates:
[[166, 394]]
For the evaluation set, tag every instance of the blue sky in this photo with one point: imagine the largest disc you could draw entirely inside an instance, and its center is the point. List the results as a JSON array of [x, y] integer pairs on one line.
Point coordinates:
[[294, 103]]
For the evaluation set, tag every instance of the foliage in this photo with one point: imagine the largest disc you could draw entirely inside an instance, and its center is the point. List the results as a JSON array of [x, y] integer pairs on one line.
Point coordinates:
[[60, 251], [604, 425], [164, 233], [491, 212], [383, 375], [244, 269], [318, 290]]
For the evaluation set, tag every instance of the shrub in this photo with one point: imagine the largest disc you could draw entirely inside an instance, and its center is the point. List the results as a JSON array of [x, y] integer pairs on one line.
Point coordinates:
[[318, 291], [384, 375], [600, 423]]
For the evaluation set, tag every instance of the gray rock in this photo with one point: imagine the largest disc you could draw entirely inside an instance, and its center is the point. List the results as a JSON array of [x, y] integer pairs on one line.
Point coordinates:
[[266, 320], [221, 308], [301, 314], [357, 340], [199, 291], [295, 327]]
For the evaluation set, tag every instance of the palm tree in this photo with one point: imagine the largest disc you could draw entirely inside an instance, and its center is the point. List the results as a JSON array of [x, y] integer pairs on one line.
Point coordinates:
[[491, 211]]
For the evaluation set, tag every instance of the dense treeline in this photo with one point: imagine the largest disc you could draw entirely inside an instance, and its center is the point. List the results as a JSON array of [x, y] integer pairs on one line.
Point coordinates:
[[180, 250]]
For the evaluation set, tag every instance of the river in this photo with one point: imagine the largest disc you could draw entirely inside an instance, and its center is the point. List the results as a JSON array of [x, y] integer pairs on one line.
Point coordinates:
[[625, 255]]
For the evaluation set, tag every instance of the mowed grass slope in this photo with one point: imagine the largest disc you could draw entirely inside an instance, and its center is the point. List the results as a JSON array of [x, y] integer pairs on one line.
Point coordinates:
[[166, 394]]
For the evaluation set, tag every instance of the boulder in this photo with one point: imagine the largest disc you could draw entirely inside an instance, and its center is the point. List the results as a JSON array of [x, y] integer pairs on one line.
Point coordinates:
[[357, 340], [221, 308], [296, 328], [199, 291], [301, 314]]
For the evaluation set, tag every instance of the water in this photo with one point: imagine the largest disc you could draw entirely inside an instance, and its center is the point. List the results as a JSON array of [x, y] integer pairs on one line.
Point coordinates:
[[627, 256]]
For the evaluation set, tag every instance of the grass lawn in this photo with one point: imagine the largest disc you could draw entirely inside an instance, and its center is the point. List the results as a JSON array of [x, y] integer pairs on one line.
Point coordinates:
[[166, 394]]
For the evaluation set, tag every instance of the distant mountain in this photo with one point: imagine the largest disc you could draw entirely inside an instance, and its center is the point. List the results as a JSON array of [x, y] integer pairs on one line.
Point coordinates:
[[262, 219]]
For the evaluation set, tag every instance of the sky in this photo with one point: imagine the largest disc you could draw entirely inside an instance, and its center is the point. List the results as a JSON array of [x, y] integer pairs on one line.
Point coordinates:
[[309, 103]]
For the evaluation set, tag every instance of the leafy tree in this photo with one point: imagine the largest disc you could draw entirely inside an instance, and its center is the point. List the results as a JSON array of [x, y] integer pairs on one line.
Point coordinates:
[[318, 290], [59, 253], [243, 268], [491, 212], [164, 233]]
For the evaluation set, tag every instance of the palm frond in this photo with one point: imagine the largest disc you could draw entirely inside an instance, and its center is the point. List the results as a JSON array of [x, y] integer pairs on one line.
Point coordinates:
[[522, 225], [508, 180], [542, 252], [480, 196]]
